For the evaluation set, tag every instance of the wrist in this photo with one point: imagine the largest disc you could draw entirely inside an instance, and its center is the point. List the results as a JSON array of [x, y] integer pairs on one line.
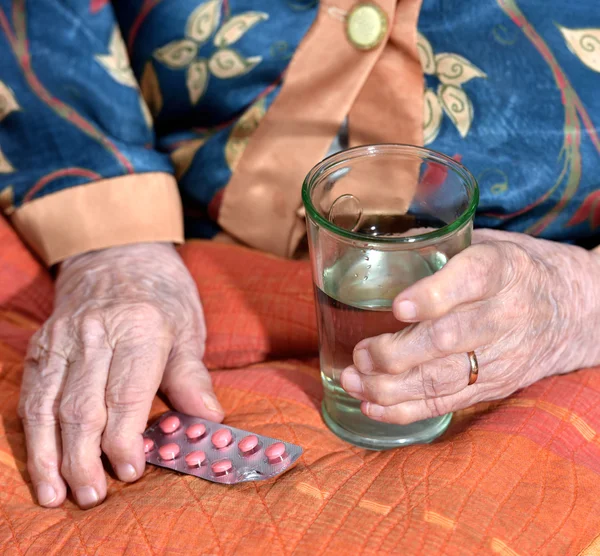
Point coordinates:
[[150, 250], [130, 274], [584, 304], [111, 268]]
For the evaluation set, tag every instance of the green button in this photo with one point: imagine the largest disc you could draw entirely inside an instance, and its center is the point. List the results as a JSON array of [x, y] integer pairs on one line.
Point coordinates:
[[366, 26]]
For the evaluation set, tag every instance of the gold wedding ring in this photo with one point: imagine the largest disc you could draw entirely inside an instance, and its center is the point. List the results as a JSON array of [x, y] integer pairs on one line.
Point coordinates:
[[474, 371]]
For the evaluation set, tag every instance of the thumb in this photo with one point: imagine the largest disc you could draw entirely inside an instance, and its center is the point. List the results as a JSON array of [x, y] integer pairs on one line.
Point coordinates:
[[188, 386]]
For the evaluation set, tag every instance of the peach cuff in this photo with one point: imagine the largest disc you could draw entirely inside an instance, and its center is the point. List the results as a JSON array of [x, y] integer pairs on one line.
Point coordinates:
[[117, 211]]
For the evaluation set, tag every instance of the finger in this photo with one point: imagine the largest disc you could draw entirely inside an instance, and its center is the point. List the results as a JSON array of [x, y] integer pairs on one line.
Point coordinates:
[[43, 379], [412, 411], [459, 332], [83, 416], [188, 385], [134, 377], [478, 273], [441, 377]]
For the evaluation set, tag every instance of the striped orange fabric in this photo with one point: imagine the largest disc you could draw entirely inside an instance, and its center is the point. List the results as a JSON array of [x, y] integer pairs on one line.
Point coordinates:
[[516, 477]]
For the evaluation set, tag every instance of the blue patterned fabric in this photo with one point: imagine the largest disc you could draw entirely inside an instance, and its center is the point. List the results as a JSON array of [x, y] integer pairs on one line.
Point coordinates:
[[511, 87], [537, 165]]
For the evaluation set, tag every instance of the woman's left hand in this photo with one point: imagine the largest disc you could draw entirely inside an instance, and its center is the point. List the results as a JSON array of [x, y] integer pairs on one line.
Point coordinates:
[[527, 307]]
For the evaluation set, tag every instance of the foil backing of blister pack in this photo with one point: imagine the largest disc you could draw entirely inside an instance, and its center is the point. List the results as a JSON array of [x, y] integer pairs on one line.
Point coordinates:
[[251, 466]]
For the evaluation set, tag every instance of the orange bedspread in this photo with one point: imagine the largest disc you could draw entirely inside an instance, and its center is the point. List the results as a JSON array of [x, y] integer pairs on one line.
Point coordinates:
[[517, 477]]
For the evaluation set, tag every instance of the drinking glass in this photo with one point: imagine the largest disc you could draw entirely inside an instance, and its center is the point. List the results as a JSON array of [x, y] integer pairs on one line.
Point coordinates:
[[379, 218]]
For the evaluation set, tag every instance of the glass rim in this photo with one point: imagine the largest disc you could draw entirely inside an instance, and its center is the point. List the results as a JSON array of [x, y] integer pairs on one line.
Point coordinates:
[[367, 151]]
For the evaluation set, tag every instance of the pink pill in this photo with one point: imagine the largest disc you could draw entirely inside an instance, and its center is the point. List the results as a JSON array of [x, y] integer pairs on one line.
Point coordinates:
[[194, 432], [221, 438], [195, 459], [170, 424], [148, 445], [248, 444], [222, 467], [275, 452], [169, 451]]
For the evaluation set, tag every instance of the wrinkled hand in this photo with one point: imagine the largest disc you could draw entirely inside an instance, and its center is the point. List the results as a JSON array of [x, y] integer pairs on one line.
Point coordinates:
[[527, 307], [126, 321]]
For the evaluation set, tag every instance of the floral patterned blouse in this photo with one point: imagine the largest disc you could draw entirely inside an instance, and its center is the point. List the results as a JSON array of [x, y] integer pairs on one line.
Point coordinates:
[[113, 116]]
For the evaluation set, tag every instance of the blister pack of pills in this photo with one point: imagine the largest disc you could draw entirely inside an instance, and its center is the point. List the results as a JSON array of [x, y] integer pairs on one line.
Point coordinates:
[[214, 451]]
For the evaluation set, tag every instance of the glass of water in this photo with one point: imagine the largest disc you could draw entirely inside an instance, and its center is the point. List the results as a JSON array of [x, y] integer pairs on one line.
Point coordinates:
[[379, 218]]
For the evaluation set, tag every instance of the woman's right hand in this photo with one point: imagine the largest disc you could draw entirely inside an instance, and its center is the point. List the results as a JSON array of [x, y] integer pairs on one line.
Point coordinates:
[[126, 322]]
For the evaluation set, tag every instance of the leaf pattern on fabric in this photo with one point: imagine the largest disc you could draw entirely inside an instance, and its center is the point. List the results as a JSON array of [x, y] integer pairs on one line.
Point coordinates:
[[147, 115], [197, 80], [237, 27], [177, 54], [452, 71], [432, 116], [150, 88], [457, 106], [8, 102], [227, 63], [242, 131], [224, 63], [204, 21], [589, 210], [183, 156], [426, 55], [116, 63], [585, 44], [5, 165], [7, 200]]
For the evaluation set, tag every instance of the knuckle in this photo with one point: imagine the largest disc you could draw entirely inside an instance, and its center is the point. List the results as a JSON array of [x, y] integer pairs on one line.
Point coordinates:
[[39, 464], [377, 390], [443, 335], [402, 415], [57, 332], [37, 408], [381, 349], [59, 324], [33, 346], [146, 312], [47, 348], [436, 407], [37, 349], [437, 297], [431, 386], [442, 380], [82, 410], [126, 399], [116, 444], [71, 466], [140, 324], [92, 332]]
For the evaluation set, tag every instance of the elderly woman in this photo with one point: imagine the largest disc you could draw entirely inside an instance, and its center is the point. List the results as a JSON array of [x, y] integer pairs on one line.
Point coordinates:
[[113, 117]]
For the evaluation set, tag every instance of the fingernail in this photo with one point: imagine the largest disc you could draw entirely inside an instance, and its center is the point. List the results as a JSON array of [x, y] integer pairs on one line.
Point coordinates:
[[45, 494], [351, 381], [363, 361], [406, 310], [374, 410], [125, 471], [86, 497], [211, 403]]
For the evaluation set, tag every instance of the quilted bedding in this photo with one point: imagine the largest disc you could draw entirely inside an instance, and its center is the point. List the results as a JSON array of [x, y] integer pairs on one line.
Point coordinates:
[[516, 477]]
